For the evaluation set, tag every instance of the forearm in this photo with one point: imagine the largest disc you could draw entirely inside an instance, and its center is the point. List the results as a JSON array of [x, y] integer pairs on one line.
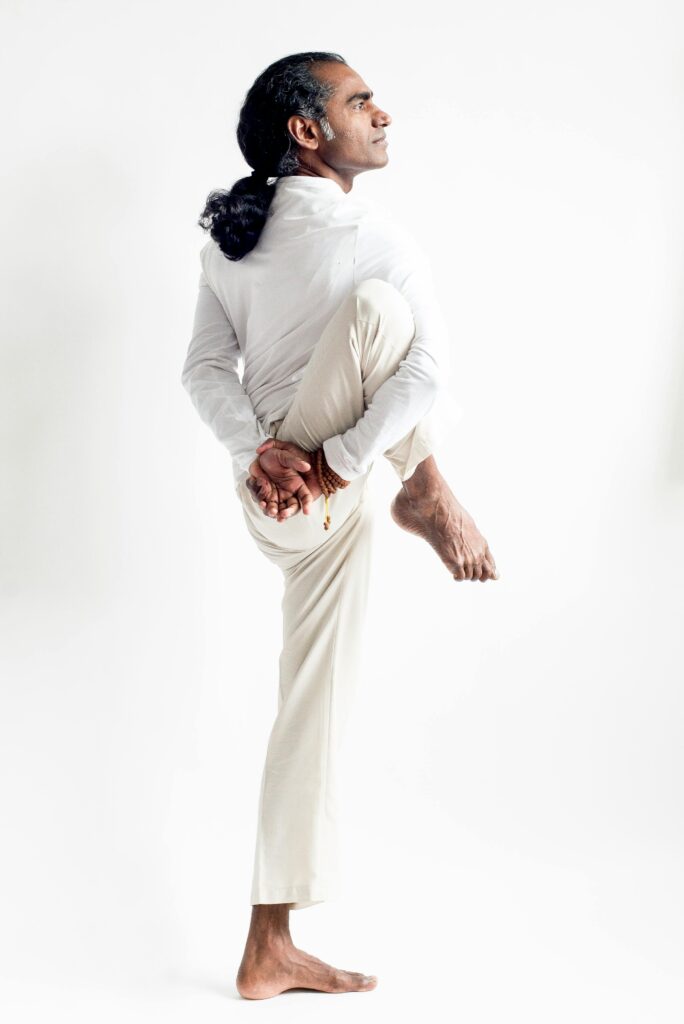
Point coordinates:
[[211, 379], [222, 404], [387, 251], [395, 409]]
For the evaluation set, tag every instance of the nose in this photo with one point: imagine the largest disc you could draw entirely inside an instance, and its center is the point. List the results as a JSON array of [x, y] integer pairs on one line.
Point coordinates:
[[381, 117]]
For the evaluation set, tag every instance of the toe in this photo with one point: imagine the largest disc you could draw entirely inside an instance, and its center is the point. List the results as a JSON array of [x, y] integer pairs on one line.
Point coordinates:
[[360, 981]]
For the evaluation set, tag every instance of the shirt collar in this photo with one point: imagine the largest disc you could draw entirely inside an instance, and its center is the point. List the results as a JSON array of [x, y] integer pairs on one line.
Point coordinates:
[[306, 183]]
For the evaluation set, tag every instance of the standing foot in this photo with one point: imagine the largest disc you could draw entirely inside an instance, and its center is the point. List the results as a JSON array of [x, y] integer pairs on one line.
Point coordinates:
[[269, 970], [272, 964]]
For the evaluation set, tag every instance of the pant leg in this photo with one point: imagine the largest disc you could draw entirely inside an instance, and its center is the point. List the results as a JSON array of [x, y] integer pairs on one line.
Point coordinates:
[[324, 604], [326, 576]]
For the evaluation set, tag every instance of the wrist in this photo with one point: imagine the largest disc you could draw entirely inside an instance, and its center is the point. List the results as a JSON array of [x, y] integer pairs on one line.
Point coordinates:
[[327, 479], [326, 473]]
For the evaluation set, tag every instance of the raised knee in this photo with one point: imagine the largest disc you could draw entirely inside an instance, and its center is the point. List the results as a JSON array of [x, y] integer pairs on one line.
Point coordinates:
[[376, 298]]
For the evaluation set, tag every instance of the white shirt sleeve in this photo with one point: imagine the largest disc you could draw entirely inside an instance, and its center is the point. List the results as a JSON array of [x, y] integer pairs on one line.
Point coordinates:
[[385, 249], [211, 379]]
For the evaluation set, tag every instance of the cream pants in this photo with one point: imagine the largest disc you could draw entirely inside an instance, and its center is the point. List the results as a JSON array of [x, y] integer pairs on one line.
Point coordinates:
[[326, 575]]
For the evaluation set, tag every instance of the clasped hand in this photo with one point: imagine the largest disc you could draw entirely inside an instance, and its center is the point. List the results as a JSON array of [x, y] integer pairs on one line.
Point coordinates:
[[282, 479]]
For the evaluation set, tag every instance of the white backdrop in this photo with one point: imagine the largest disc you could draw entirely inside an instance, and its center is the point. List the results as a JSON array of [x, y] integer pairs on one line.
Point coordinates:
[[514, 804]]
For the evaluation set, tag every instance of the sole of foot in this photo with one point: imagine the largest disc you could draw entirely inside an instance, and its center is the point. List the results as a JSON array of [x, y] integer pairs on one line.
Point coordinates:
[[298, 970], [440, 521]]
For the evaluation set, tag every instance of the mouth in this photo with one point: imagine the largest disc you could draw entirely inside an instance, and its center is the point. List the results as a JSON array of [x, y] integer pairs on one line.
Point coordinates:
[[383, 138]]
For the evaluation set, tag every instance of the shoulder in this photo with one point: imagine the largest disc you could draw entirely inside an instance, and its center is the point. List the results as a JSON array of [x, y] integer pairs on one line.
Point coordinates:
[[207, 253], [383, 239], [212, 262]]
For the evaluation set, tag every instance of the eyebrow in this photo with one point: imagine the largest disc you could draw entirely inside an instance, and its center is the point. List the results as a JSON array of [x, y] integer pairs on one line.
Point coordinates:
[[360, 96]]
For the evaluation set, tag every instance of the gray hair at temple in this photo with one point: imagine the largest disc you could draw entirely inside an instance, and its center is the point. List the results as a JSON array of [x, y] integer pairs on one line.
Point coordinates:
[[235, 218]]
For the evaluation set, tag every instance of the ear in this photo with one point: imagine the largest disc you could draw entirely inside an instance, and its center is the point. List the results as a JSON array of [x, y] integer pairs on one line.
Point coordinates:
[[304, 131]]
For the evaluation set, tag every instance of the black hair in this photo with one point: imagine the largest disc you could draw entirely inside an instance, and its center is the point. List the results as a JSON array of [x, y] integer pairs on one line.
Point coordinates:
[[235, 218]]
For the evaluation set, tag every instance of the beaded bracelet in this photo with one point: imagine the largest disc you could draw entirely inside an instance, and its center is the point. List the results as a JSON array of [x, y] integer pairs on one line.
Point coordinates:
[[329, 481]]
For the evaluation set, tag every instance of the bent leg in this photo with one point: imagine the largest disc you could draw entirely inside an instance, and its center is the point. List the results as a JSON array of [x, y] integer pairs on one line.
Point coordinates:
[[361, 346]]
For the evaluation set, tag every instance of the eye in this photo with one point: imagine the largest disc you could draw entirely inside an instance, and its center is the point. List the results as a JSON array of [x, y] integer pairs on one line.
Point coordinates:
[[360, 103]]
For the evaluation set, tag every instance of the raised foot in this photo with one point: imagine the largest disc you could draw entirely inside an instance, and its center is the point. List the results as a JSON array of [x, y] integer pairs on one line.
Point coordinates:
[[443, 522], [270, 972]]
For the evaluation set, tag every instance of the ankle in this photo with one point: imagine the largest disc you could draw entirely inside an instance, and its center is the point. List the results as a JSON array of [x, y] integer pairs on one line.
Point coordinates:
[[266, 944], [426, 481], [270, 925]]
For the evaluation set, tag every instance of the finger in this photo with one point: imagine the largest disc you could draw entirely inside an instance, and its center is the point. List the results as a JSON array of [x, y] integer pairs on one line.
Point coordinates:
[[287, 504], [263, 482], [305, 498], [290, 508], [254, 490], [251, 487], [252, 481], [266, 488], [477, 571], [459, 571], [293, 461], [272, 503], [270, 442]]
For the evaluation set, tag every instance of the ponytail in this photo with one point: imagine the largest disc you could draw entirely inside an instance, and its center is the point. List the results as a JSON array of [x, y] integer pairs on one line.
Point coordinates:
[[236, 218]]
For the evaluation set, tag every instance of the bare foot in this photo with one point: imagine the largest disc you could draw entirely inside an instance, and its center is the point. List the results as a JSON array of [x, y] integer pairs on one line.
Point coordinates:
[[277, 965], [441, 520]]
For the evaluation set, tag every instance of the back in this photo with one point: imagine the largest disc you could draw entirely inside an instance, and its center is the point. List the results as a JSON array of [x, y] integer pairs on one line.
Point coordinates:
[[280, 296], [268, 311]]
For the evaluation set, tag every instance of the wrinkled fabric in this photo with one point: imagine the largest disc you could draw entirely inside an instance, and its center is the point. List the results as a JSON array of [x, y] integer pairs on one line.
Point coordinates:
[[266, 312], [326, 578]]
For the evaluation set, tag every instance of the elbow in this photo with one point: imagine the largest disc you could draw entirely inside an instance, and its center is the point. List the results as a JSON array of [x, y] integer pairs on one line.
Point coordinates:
[[434, 380], [433, 370], [439, 372], [434, 383], [434, 389], [186, 376]]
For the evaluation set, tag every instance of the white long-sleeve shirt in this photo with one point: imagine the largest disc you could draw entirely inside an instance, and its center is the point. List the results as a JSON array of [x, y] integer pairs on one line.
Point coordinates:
[[269, 309]]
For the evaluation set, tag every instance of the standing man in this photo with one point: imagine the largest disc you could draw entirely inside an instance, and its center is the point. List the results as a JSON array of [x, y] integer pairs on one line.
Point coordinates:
[[330, 306]]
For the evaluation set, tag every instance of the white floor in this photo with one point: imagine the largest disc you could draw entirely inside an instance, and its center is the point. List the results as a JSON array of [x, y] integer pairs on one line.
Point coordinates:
[[489, 936]]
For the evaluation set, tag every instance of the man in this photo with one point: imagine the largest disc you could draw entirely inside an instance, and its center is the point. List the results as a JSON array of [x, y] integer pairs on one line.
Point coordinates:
[[330, 305]]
